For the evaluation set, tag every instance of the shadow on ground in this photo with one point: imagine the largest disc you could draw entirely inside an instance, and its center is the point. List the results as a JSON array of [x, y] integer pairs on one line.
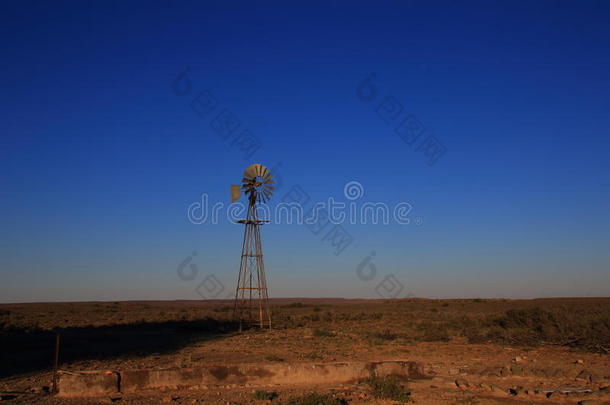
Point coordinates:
[[29, 351]]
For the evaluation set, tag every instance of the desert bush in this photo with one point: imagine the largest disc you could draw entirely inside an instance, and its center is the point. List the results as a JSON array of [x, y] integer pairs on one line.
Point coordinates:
[[390, 388], [314, 356], [385, 335], [434, 332], [361, 316], [273, 357], [263, 395], [294, 305], [585, 329], [323, 333], [313, 317], [12, 326]]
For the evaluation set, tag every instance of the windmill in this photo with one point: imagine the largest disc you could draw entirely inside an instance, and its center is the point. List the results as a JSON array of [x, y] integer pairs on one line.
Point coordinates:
[[251, 299]]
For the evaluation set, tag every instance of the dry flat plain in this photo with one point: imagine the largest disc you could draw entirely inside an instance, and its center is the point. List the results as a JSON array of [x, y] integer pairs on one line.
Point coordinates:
[[476, 351]]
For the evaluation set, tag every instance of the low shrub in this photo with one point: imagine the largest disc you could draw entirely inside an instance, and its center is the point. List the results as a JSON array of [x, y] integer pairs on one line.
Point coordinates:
[[263, 395], [390, 388], [323, 333], [273, 357]]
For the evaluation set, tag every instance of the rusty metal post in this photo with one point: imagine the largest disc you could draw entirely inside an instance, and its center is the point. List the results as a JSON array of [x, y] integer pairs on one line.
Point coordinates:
[[56, 363]]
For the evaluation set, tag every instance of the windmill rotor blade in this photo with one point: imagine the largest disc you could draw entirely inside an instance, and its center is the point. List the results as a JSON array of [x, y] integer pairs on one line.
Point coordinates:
[[246, 180], [259, 169], [264, 172], [250, 172]]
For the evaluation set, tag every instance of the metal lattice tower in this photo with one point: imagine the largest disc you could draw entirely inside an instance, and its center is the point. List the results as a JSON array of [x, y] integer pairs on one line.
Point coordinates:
[[251, 297]]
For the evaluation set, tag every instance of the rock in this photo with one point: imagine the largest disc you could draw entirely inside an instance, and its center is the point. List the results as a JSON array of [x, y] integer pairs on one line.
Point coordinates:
[[454, 371], [495, 372], [462, 383], [44, 389], [589, 376], [591, 402], [170, 398], [497, 390], [518, 359], [486, 386], [583, 375], [546, 372], [515, 391], [579, 361], [601, 392], [516, 369], [88, 384]]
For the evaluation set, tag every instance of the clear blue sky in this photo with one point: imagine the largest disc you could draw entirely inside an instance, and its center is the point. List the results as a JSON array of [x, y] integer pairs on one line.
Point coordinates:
[[99, 159]]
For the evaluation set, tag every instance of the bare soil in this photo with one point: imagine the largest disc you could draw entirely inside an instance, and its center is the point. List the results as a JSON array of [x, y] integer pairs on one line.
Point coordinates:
[[477, 351]]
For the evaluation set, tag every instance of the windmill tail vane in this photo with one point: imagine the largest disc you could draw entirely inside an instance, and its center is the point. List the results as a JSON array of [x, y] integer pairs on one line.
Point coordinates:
[[251, 298]]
